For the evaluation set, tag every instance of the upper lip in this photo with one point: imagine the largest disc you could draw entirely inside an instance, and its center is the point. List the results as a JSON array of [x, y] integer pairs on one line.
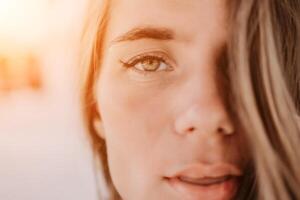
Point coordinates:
[[202, 171]]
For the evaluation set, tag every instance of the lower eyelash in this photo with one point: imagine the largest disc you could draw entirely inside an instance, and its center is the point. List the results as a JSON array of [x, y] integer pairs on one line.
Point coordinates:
[[128, 65], [144, 73], [140, 59]]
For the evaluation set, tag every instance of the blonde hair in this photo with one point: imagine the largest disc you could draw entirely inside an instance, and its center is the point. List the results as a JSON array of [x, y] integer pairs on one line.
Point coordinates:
[[262, 73]]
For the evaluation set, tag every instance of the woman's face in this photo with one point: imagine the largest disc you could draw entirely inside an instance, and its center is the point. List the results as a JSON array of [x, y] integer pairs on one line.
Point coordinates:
[[168, 134]]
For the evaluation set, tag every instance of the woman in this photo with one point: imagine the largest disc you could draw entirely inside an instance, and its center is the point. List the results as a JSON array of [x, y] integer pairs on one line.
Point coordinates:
[[190, 100]]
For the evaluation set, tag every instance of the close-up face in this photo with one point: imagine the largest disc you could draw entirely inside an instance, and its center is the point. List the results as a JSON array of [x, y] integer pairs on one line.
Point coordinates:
[[168, 133]]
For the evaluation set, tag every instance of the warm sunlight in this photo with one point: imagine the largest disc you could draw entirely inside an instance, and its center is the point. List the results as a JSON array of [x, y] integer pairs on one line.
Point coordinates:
[[42, 153], [21, 29], [149, 99], [19, 71], [21, 20], [28, 28]]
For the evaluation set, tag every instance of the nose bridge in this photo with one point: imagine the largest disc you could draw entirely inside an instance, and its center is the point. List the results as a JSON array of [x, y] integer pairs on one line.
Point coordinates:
[[203, 111]]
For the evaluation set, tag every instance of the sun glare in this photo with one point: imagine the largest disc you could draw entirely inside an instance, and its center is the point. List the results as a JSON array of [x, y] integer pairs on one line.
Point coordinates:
[[20, 22], [28, 29]]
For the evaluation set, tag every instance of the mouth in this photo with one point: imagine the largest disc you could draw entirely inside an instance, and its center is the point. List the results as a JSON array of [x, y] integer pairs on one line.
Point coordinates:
[[222, 188], [206, 182]]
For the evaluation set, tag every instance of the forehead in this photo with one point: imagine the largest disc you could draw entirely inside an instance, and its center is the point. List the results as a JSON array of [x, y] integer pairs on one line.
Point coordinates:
[[190, 19]]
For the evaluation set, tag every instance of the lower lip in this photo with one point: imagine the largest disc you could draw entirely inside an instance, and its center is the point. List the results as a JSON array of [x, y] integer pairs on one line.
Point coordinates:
[[224, 190]]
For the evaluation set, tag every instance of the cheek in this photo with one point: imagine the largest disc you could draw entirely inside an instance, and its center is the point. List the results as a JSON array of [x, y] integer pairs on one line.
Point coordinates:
[[131, 112], [133, 120]]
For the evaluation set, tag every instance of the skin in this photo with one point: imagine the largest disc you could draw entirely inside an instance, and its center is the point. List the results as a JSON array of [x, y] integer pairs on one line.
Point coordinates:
[[157, 123]]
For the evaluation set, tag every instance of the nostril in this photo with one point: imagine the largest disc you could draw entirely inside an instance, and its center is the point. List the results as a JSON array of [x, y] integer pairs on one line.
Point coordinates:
[[220, 130], [223, 131], [191, 129]]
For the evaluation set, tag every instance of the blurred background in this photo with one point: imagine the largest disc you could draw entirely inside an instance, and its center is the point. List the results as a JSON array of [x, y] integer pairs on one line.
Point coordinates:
[[44, 152]]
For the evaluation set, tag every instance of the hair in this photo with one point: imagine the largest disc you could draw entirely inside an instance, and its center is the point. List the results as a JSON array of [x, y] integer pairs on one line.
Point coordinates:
[[263, 77]]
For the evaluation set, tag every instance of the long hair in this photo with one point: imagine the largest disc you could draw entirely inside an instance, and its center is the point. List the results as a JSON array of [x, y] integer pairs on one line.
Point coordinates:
[[264, 73], [263, 77]]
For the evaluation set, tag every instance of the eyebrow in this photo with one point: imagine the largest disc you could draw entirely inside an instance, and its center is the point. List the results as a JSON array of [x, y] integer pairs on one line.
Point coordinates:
[[157, 33]]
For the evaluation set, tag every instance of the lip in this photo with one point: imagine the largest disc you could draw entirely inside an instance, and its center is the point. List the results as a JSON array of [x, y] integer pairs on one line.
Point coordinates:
[[200, 170], [199, 181]]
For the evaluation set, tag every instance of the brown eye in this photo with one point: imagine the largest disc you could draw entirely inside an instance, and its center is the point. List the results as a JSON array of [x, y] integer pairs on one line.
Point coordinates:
[[150, 64]]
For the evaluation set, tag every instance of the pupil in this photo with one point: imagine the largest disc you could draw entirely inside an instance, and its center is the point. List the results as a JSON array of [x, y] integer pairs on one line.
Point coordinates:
[[151, 64]]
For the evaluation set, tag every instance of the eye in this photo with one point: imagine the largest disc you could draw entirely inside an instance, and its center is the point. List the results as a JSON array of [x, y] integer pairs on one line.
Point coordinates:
[[148, 63], [151, 64]]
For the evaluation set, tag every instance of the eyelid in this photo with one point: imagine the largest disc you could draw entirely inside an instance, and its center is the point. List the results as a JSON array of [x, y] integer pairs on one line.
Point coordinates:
[[154, 54]]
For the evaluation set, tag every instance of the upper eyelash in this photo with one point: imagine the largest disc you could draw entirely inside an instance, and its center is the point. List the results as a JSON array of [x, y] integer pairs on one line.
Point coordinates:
[[135, 61], [142, 57]]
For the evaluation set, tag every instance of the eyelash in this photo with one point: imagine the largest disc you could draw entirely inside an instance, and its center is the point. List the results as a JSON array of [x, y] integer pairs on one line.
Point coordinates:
[[143, 57]]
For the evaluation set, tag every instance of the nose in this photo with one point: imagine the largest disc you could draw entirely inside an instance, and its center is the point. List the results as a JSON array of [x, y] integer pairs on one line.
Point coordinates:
[[206, 118]]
